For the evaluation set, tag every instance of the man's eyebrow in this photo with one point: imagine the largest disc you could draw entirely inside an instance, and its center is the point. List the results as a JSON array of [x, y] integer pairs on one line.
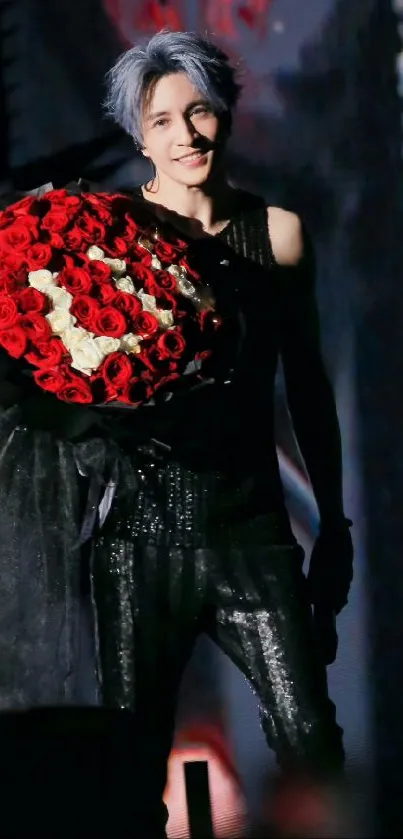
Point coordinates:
[[156, 115]]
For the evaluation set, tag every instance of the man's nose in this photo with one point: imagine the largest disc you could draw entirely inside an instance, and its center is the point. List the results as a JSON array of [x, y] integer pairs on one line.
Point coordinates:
[[185, 132]]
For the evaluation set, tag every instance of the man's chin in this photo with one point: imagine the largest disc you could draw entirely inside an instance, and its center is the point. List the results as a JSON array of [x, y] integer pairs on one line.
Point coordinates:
[[193, 177]]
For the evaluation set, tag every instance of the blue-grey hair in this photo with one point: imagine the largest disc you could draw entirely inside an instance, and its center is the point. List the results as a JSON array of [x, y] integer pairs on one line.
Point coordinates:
[[132, 79]]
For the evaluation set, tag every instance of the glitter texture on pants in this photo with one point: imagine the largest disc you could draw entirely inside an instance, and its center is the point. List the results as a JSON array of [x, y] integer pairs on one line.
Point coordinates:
[[153, 601]]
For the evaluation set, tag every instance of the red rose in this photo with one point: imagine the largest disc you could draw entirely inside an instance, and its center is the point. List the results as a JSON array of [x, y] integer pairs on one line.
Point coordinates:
[[119, 247], [56, 220], [8, 312], [166, 280], [141, 274], [106, 294], [166, 251], [24, 207], [6, 218], [75, 389], [61, 198], [127, 303], [136, 392], [171, 344], [36, 327], [95, 199], [156, 363], [92, 230], [14, 266], [167, 299], [117, 370], [101, 205], [54, 239], [109, 321], [48, 379], [142, 257], [100, 271], [32, 300], [103, 214], [85, 309], [31, 222], [78, 260], [74, 239], [130, 231], [75, 280], [9, 285], [18, 236], [150, 284], [174, 302], [145, 324], [14, 341], [46, 353], [38, 256], [13, 262]]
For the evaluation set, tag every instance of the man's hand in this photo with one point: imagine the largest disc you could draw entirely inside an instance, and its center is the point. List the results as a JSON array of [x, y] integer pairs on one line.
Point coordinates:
[[331, 567], [326, 632], [329, 580]]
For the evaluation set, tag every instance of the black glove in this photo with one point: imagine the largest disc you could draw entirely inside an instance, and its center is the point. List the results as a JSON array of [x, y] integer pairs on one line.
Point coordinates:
[[326, 632], [331, 567]]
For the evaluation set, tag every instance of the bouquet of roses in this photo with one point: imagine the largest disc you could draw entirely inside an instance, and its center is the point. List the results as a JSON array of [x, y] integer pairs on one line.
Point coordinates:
[[102, 306]]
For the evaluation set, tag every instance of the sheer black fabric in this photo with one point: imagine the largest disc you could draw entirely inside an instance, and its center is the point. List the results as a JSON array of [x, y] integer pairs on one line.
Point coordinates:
[[43, 619]]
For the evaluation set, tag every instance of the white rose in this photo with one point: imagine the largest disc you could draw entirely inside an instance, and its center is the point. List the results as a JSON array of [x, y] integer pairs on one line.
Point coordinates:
[[107, 345], [41, 279], [148, 301], [73, 336], [60, 320], [165, 318], [94, 252], [156, 264], [125, 284], [86, 371], [86, 355], [130, 343], [118, 265], [60, 297]]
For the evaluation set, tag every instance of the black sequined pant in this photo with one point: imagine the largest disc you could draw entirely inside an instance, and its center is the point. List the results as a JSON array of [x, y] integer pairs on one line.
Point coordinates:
[[151, 604]]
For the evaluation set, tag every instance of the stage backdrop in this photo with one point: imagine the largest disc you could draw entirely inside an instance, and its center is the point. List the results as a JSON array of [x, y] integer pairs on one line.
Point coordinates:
[[318, 132]]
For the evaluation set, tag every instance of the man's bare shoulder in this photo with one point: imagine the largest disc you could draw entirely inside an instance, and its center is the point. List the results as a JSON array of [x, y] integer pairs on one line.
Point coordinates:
[[285, 230]]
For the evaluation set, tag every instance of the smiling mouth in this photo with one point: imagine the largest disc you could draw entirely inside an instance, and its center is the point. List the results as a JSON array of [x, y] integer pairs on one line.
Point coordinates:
[[191, 158]]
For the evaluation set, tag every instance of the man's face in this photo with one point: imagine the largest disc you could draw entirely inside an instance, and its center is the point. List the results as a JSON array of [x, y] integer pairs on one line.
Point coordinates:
[[180, 131]]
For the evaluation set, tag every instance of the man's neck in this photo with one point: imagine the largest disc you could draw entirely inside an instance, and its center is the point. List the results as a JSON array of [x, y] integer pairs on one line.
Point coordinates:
[[208, 206]]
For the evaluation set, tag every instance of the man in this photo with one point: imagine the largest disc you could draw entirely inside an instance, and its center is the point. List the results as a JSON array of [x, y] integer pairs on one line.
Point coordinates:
[[206, 543]]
